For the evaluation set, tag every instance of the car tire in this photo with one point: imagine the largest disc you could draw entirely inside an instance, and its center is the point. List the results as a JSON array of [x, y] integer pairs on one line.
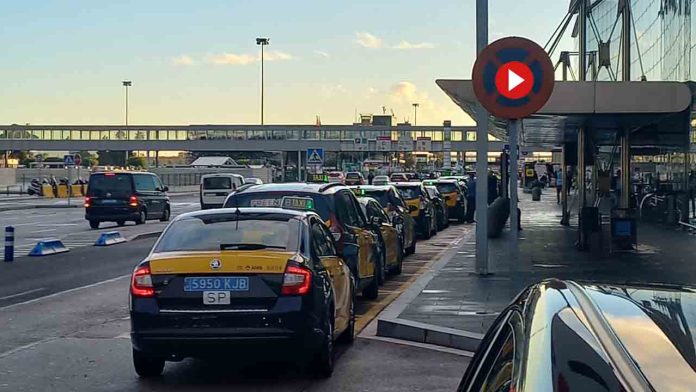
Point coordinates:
[[142, 217], [462, 216], [348, 336], [166, 215], [323, 363], [147, 366], [371, 292], [411, 249], [427, 231], [381, 266], [121, 223], [399, 259], [94, 224]]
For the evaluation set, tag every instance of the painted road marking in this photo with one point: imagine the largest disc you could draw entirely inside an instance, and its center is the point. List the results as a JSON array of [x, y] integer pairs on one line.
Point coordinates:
[[22, 293]]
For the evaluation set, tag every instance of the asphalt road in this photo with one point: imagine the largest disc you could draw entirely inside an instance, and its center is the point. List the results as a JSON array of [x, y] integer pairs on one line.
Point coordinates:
[[65, 327], [69, 224]]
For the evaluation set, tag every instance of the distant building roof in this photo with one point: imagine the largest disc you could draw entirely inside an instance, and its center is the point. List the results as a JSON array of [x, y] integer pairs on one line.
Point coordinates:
[[214, 161]]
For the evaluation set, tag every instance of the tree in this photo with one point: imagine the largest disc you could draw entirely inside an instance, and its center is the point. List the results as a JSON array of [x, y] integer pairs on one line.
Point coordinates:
[[89, 159], [24, 157], [409, 160], [135, 161]]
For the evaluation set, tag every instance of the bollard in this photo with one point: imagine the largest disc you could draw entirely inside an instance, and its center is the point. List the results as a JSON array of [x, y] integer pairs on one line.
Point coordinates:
[[9, 243]]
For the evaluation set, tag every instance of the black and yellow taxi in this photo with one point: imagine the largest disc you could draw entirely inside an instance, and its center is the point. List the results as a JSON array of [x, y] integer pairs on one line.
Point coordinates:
[[231, 282], [391, 237], [420, 206], [397, 210], [340, 211], [454, 195]]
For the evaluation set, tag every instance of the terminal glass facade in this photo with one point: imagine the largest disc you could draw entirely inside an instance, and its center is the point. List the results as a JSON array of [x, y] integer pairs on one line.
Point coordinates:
[[661, 39]]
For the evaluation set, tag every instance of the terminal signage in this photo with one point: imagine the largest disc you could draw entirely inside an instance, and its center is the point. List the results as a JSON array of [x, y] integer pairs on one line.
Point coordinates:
[[383, 143], [513, 78], [315, 156]]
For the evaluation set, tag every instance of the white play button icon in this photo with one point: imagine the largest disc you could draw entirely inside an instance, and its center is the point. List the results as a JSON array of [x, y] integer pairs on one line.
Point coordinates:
[[514, 80]]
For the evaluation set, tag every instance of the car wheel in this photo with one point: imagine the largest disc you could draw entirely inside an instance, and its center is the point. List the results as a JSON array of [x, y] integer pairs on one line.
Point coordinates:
[[399, 259], [427, 231], [411, 249], [94, 224], [142, 217], [381, 266], [121, 223], [462, 216], [323, 363], [147, 366], [348, 336], [165, 216], [371, 292]]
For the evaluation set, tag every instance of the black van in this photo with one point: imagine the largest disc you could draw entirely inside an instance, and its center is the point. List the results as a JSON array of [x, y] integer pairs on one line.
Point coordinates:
[[125, 196]]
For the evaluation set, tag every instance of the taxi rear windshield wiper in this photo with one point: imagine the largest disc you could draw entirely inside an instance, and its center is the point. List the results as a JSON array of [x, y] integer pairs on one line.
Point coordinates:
[[248, 246]]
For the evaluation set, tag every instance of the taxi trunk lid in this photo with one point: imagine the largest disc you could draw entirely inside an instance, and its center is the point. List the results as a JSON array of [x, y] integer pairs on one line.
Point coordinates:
[[250, 280]]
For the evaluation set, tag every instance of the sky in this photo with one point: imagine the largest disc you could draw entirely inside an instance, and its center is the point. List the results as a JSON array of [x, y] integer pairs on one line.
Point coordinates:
[[196, 62]]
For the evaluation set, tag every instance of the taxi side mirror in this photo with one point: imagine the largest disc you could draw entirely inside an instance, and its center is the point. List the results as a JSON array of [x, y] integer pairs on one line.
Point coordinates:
[[350, 250], [412, 208]]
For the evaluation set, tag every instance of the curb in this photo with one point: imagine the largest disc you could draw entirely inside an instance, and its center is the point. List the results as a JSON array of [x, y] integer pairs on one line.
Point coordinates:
[[143, 236], [33, 207], [391, 326]]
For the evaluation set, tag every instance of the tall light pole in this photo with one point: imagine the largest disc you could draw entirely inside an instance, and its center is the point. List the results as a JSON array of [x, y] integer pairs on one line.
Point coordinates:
[[126, 84], [415, 113], [262, 42]]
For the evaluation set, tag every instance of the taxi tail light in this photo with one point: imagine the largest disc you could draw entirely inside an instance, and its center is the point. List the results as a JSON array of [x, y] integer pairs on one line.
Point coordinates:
[[133, 202], [88, 202], [141, 282], [297, 280]]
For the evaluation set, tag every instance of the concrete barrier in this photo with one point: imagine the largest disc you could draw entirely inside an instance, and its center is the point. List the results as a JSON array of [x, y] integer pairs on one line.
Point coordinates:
[[110, 238], [76, 190], [48, 247], [62, 191], [47, 191]]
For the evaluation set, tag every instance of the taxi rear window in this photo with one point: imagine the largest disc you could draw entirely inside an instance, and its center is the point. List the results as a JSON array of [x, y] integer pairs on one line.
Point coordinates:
[[446, 187], [217, 183], [381, 196], [352, 175], [411, 192], [322, 203], [216, 232]]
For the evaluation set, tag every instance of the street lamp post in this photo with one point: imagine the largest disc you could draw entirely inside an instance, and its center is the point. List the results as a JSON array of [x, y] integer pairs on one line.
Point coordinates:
[[415, 113], [262, 42], [126, 84]]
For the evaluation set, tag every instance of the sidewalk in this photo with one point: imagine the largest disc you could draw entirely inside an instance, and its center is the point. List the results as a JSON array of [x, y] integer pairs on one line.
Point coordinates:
[[456, 306]]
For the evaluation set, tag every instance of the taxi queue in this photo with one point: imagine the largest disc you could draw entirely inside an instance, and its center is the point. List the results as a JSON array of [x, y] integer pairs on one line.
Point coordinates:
[[277, 269]]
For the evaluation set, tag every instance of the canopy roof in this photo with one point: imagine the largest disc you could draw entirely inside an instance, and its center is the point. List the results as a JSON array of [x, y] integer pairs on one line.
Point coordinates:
[[657, 113]]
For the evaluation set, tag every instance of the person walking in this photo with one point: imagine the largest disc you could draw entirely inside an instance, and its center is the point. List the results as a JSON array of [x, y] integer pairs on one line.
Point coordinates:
[[370, 177], [470, 198], [559, 185]]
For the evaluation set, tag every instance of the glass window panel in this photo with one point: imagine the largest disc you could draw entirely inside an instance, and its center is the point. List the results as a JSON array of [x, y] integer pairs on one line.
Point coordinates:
[[152, 135], [75, 135], [161, 135], [180, 135], [37, 134], [456, 136], [470, 136], [56, 135], [171, 135]]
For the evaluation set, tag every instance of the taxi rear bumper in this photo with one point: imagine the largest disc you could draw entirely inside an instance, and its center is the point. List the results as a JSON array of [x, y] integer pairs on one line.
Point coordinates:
[[210, 334]]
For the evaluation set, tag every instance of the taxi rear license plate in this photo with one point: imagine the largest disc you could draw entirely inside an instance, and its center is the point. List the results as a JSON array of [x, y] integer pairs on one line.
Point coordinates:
[[216, 298], [229, 283]]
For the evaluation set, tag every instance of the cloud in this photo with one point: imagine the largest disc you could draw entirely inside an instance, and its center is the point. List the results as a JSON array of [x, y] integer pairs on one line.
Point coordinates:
[[405, 45], [322, 54], [183, 60], [245, 59], [372, 91], [329, 91], [431, 112], [368, 40]]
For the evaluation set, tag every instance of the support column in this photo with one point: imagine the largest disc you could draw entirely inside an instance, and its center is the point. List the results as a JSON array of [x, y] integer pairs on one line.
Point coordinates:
[[565, 186], [513, 131], [686, 201], [299, 166], [625, 200], [157, 158], [582, 240], [582, 38], [481, 152], [282, 165]]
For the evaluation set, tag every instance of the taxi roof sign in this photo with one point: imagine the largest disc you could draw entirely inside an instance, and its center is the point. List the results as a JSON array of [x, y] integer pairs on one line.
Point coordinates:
[[513, 77], [297, 203]]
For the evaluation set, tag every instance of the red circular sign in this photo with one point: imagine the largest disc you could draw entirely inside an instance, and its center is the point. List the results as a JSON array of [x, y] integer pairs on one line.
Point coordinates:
[[513, 77]]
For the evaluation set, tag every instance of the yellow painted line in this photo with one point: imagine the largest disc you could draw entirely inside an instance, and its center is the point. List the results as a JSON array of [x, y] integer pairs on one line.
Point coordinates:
[[375, 308]]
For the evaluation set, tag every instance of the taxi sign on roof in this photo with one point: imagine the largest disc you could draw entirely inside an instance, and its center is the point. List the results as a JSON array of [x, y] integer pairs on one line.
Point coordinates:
[[513, 77], [317, 178], [297, 203]]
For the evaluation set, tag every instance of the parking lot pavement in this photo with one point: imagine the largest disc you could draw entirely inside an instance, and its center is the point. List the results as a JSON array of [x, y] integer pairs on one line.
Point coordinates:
[[74, 336], [70, 226]]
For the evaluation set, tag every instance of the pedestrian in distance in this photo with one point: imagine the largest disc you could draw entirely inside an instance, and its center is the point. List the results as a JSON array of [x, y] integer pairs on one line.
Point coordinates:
[[370, 177], [559, 185], [471, 199]]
